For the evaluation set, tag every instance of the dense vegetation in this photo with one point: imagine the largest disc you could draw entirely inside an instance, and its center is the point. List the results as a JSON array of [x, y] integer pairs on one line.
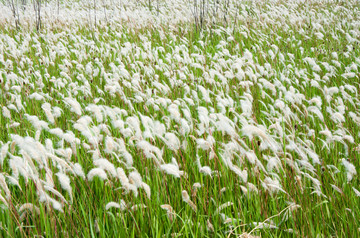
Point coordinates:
[[180, 119]]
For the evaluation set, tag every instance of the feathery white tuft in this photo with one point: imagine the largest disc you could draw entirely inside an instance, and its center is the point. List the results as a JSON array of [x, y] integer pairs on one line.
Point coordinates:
[[98, 172]]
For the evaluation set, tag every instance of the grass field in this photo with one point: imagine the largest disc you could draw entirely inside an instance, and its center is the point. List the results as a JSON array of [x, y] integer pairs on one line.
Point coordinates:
[[174, 119]]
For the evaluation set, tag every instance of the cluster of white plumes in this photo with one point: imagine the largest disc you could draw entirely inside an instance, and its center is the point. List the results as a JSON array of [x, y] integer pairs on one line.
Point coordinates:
[[146, 103]]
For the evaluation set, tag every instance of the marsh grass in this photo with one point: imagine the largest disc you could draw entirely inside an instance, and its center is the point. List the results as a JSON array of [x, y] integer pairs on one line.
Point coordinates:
[[331, 214]]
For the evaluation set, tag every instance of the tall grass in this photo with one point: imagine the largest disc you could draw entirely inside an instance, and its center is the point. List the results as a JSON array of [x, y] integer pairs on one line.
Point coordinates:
[[237, 121]]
